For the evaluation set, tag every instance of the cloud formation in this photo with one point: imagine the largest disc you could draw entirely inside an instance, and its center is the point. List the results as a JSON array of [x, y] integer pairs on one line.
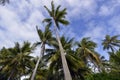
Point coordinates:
[[88, 18]]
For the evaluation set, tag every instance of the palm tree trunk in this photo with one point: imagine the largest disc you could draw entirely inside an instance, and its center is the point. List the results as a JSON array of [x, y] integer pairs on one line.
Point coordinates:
[[11, 75], [12, 72], [38, 61], [64, 62]]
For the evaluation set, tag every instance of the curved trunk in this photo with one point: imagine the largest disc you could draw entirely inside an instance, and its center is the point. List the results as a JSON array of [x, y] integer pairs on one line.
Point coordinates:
[[38, 61], [62, 53]]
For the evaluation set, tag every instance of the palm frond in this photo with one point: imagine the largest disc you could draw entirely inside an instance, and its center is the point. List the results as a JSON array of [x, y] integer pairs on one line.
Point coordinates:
[[64, 22], [61, 14], [48, 20], [40, 33], [57, 10], [35, 45], [26, 47], [48, 10], [57, 24], [53, 8]]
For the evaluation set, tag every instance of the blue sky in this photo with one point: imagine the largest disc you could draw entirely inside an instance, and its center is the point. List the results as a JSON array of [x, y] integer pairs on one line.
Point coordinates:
[[88, 18]]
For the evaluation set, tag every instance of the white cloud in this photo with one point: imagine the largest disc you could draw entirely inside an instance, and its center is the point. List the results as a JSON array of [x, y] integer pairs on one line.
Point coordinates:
[[95, 33], [81, 8], [68, 31], [114, 23], [104, 10], [19, 18], [95, 30], [109, 7], [35, 17], [14, 29]]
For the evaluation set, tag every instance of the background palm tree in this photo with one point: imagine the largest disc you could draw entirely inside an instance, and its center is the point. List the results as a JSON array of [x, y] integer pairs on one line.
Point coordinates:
[[16, 61], [58, 16], [45, 38], [115, 61], [41, 73], [86, 50], [111, 42]]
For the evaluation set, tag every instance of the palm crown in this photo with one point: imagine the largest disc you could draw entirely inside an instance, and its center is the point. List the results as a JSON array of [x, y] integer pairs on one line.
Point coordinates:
[[57, 15], [18, 60], [111, 42], [86, 50]]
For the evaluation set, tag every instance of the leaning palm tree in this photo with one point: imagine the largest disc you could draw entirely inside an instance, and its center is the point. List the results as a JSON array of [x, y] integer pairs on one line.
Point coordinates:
[[111, 42], [57, 16], [86, 50], [45, 38]]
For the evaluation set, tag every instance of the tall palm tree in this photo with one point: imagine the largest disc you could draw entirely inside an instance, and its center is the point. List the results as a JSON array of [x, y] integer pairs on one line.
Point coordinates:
[[75, 64], [86, 50], [45, 38], [111, 42], [16, 61], [57, 16]]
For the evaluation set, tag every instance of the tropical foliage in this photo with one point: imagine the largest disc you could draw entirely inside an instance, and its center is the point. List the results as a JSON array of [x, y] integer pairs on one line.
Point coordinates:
[[60, 57]]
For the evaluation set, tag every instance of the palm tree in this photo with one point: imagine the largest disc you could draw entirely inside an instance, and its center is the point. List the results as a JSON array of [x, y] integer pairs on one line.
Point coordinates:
[[105, 64], [57, 16], [45, 38], [3, 62], [115, 61], [86, 50], [111, 42], [41, 73], [75, 64], [16, 61]]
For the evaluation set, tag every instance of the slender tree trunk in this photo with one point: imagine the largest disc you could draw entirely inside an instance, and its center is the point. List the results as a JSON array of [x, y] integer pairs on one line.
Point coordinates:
[[38, 61], [12, 72], [63, 58], [11, 75]]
